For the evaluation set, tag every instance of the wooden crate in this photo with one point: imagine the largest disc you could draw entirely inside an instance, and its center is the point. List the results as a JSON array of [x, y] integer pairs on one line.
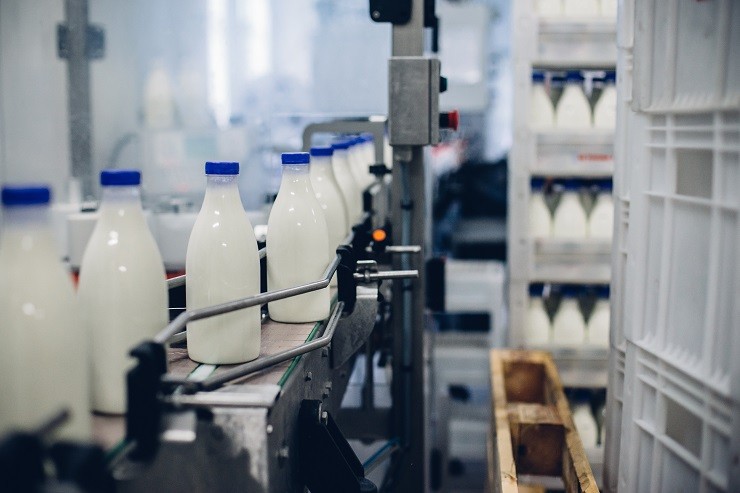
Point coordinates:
[[532, 431]]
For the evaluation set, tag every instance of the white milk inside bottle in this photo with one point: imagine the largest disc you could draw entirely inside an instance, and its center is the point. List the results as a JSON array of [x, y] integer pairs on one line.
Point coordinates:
[[585, 423], [569, 327], [330, 199], [537, 330], [540, 219], [297, 244], [569, 220], [43, 355], [122, 290], [598, 322], [541, 111], [357, 163], [222, 264], [346, 180], [605, 110], [550, 8], [573, 110], [581, 8], [601, 219]]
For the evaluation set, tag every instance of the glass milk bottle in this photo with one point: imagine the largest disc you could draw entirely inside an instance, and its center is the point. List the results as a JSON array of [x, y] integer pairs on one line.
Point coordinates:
[[537, 329], [540, 219], [601, 220], [122, 290], [329, 197], [43, 355], [569, 220], [222, 264], [585, 423], [297, 244], [346, 179], [541, 111], [605, 110], [568, 326], [360, 169], [581, 8], [573, 111], [598, 322]]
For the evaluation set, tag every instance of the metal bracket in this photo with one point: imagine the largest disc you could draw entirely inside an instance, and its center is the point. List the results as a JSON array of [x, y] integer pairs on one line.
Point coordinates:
[[328, 463], [94, 42], [413, 101], [396, 12]]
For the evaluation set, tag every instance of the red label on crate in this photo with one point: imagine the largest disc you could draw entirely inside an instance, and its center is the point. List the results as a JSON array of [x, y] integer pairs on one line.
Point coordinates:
[[592, 156]]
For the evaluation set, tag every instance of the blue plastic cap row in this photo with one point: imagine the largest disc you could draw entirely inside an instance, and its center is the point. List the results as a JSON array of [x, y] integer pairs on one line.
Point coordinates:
[[367, 137], [341, 145], [574, 76], [537, 184], [15, 195], [120, 177], [322, 151], [222, 168], [538, 77], [570, 290], [296, 158]]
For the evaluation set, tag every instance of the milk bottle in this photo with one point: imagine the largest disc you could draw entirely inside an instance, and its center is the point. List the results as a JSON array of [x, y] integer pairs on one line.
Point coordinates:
[[585, 423], [601, 220], [357, 163], [346, 179], [222, 264], [43, 355], [568, 327], [573, 111], [581, 8], [537, 329], [598, 322], [605, 110], [569, 220], [122, 290], [329, 197], [550, 8], [297, 244], [540, 220], [367, 147], [541, 112]]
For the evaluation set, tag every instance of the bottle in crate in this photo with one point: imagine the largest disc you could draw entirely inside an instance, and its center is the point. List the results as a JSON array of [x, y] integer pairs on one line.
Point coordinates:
[[601, 219], [297, 244], [222, 264], [538, 326], [569, 220], [44, 353], [122, 290], [573, 111], [605, 109], [598, 322], [541, 110], [569, 327], [540, 219]]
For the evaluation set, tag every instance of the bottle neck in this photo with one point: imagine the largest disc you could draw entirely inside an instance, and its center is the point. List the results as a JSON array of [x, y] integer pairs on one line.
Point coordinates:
[[117, 200], [321, 166], [223, 189], [33, 217], [295, 178]]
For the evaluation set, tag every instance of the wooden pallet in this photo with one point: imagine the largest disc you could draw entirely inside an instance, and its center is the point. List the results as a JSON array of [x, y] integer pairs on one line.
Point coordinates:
[[532, 431]]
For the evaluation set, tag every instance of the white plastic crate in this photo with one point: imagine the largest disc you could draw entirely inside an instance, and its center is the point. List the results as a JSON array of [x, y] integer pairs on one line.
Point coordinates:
[[682, 275], [475, 286], [613, 419], [687, 55], [677, 433]]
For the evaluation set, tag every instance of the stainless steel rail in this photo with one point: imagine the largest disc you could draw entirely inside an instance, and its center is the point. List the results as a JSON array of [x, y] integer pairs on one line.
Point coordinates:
[[216, 381], [200, 313]]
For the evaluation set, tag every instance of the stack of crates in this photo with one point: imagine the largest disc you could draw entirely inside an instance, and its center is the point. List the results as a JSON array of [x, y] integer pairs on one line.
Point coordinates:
[[673, 407]]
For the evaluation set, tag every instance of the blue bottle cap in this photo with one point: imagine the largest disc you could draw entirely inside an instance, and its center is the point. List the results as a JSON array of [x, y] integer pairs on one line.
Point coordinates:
[[571, 185], [120, 177], [611, 77], [569, 291], [538, 77], [322, 151], [606, 186], [537, 184], [367, 137], [574, 76], [13, 195], [219, 168], [602, 292], [535, 290], [296, 158], [341, 145]]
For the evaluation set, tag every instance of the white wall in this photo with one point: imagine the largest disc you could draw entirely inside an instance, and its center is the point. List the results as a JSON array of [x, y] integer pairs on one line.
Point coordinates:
[[34, 131]]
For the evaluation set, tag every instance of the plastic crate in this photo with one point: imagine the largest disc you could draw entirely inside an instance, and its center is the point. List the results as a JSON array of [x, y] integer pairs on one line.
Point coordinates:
[[677, 433], [688, 55], [613, 419]]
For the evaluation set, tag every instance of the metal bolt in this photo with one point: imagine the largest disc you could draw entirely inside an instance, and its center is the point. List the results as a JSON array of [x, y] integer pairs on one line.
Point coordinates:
[[283, 453], [324, 417], [309, 376], [376, 14], [269, 429]]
